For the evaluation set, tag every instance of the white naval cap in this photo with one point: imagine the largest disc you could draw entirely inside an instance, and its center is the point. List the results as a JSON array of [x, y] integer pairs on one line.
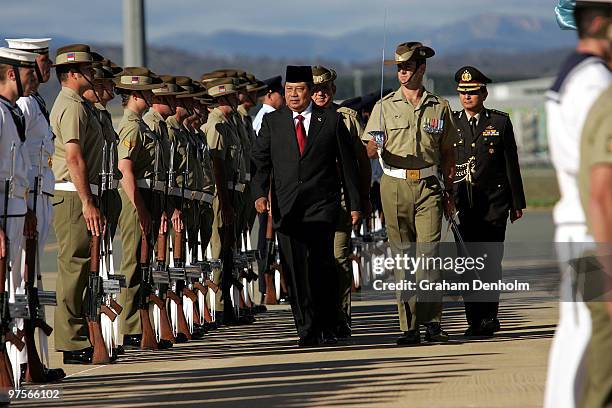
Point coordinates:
[[19, 58], [37, 45]]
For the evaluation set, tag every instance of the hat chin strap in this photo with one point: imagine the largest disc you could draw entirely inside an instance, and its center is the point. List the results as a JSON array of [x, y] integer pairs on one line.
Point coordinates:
[[18, 80], [38, 73], [419, 62], [93, 88]]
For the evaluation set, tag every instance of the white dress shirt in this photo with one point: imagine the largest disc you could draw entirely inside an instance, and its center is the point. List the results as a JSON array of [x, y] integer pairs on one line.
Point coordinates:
[[306, 113], [38, 132], [259, 117]]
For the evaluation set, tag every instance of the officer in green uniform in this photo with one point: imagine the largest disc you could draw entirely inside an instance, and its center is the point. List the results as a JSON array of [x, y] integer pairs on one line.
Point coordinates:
[[323, 95], [141, 207], [595, 179], [223, 141], [417, 144], [76, 166]]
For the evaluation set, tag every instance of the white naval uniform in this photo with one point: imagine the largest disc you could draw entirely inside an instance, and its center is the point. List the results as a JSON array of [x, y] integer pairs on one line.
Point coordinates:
[[9, 136], [582, 79], [38, 132], [265, 108]]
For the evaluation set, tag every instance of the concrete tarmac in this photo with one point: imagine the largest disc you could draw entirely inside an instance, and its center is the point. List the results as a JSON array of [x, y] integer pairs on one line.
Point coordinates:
[[259, 365]]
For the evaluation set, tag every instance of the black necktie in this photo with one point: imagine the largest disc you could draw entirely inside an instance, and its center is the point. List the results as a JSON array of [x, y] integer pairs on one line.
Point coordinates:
[[42, 105], [19, 120], [473, 126]]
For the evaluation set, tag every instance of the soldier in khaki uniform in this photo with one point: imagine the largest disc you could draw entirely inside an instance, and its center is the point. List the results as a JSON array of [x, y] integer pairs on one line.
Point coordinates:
[[200, 108], [76, 165], [595, 179], [224, 143], [323, 95], [141, 207], [418, 142]]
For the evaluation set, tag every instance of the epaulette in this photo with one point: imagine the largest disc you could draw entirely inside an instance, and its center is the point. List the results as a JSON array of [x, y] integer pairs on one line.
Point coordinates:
[[348, 111], [500, 112]]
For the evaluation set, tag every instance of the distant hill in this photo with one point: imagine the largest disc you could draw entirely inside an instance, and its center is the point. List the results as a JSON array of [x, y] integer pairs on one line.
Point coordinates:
[[505, 33]]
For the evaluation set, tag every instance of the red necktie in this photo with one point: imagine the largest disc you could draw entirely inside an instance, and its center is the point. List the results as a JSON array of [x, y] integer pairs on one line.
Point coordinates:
[[300, 131]]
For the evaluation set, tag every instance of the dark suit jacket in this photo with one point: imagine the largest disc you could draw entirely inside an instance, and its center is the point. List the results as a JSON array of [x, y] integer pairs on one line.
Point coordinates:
[[497, 184], [306, 188]]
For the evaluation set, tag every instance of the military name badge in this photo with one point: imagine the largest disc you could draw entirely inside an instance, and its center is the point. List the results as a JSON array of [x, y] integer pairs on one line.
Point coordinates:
[[434, 126], [490, 131]]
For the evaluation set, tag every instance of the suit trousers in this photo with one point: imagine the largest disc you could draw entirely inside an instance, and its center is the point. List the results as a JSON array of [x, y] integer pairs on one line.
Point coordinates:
[[483, 238], [307, 256]]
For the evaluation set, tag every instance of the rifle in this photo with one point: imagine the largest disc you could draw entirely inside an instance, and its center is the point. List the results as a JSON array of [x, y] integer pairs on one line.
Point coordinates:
[[95, 286], [148, 340], [112, 283], [159, 273], [7, 311], [179, 264], [35, 371]]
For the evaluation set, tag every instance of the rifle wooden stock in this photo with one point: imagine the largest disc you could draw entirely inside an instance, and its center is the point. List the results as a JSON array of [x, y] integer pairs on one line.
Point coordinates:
[[100, 352], [181, 321], [201, 288], [14, 340], [104, 309], [212, 285], [144, 250], [190, 294], [165, 329], [35, 371], [116, 306], [193, 296], [6, 376], [148, 340], [161, 248], [242, 303], [42, 325], [178, 245], [204, 289]]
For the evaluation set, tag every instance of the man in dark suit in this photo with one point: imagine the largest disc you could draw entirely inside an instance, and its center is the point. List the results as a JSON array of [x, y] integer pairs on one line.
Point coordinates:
[[300, 147], [488, 189]]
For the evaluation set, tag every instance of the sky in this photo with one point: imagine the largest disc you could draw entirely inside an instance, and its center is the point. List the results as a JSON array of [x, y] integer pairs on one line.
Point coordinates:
[[101, 21]]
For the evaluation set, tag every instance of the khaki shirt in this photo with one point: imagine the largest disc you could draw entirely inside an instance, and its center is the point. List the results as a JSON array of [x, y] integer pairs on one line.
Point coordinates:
[[404, 126], [74, 121], [157, 125], [185, 158], [595, 145], [245, 147], [136, 144], [208, 181], [223, 142]]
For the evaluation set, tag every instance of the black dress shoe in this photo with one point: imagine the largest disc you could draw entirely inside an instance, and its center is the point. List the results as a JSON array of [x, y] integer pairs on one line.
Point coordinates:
[[114, 356], [409, 338], [181, 338], [479, 330], [435, 334], [343, 331], [260, 308], [329, 338], [164, 345], [78, 356], [496, 325], [120, 350], [310, 340], [49, 374], [132, 341], [284, 300]]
